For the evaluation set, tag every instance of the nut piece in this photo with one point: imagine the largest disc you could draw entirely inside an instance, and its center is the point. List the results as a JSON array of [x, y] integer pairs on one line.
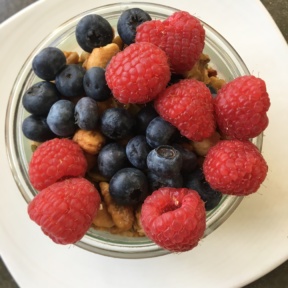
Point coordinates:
[[122, 216], [200, 70], [117, 40], [100, 57], [202, 147], [137, 223], [103, 219], [90, 141], [71, 57], [216, 82]]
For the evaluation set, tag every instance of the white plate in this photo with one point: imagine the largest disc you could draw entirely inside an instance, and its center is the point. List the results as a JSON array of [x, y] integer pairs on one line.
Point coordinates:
[[253, 241]]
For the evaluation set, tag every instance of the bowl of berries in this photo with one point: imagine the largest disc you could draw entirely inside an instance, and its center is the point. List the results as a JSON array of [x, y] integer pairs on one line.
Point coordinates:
[[135, 130]]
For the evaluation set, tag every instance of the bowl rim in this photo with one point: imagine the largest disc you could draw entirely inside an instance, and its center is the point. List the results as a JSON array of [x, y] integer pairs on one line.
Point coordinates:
[[19, 172]]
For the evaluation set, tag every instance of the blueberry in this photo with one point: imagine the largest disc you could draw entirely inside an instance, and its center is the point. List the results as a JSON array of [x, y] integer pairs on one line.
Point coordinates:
[[189, 159], [155, 181], [95, 84], [111, 158], [128, 21], [129, 186], [93, 31], [36, 129], [175, 78], [164, 161], [160, 132], [196, 181], [39, 98], [144, 117], [86, 113], [116, 123], [60, 118], [137, 150], [48, 62], [69, 81], [212, 90]]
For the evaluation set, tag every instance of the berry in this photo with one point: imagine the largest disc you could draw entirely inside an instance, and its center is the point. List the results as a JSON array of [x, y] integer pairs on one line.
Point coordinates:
[[241, 106], [86, 113], [55, 159], [36, 129], [95, 84], [169, 35], [116, 123], [39, 98], [93, 31], [235, 167], [48, 62], [128, 186], [189, 158], [143, 118], [196, 181], [188, 105], [128, 21], [61, 119], [69, 81], [174, 218], [111, 158], [156, 181], [164, 161], [138, 73], [160, 132], [65, 209], [137, 150]]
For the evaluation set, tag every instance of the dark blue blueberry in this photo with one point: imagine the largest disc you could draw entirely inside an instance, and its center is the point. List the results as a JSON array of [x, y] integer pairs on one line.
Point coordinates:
[[48, 62], [160, 132], [137, 150], [196, 181], [212, 90], [69, 81], [189, 159], [156, 182], [175, 78], [164, 161], [86, 113], [129, 186], [36, 129], [61, 119], [39, 98], [128, 21], [144, 117], [93, 31], [111, 158], [116, 123], [95, 84]]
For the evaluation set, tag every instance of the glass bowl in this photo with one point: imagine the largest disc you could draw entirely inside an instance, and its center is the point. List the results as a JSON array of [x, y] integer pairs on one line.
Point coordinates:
[[223, 58]]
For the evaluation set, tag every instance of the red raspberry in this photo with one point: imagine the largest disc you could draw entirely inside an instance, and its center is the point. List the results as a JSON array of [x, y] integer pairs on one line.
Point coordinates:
[[174, 218], [181, 36], [235, 167], [241, 107], [65, 210], [55, 159], [188, 105], [138, 73]]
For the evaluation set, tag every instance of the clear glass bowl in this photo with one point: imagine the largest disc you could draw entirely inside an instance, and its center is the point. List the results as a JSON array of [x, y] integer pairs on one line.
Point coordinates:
[[223, 58]]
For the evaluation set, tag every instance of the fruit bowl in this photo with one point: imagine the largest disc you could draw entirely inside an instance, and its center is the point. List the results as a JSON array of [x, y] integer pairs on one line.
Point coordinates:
[[224, 59]]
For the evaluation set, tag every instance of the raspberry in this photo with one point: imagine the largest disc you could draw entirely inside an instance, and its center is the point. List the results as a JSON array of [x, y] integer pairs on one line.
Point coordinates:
[[138, 73], [235, 167], [174, 218], [55, 159], [181, 36], [65, 209], [241, 107], [188, 105]]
